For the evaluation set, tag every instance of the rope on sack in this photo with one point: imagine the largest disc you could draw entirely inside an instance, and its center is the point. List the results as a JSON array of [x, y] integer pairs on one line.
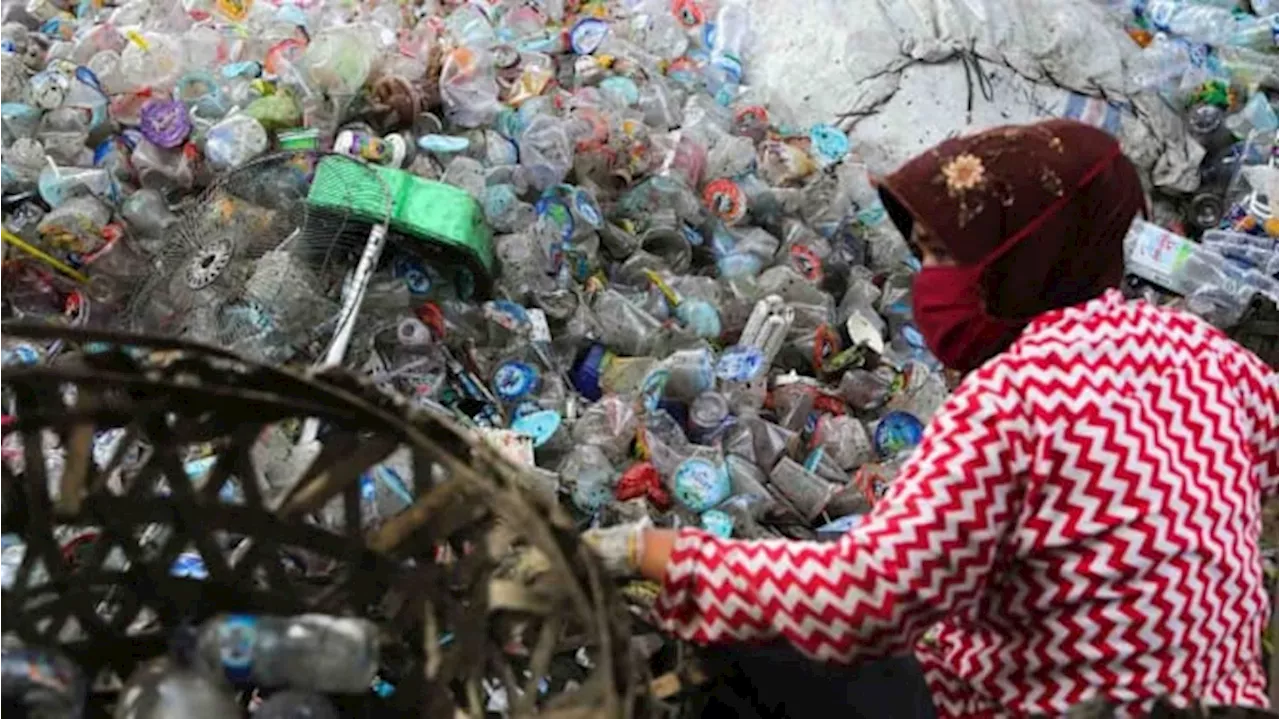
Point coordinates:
[[973, 67]]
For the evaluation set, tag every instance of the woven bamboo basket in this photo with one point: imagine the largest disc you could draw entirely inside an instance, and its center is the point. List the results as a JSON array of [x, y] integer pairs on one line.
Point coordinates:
[[480, 583]]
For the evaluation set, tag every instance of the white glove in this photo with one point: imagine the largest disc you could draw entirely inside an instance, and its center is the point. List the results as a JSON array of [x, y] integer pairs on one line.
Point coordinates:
[[620, 547]]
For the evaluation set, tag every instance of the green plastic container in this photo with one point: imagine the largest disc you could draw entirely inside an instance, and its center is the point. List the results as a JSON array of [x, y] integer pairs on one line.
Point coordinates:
[[446, 220]]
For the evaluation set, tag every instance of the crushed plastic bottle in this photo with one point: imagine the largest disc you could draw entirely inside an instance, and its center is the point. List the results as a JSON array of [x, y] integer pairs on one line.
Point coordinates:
[[309, 652]]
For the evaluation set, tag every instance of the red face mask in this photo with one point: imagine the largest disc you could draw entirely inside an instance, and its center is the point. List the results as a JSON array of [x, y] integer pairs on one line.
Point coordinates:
[[948, 309]]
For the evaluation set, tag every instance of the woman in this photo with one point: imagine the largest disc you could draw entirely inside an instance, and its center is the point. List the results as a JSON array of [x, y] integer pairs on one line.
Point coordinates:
[[1082, 517]]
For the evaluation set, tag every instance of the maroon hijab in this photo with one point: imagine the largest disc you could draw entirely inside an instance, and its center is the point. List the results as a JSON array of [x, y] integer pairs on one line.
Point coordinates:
[[1056, 197]]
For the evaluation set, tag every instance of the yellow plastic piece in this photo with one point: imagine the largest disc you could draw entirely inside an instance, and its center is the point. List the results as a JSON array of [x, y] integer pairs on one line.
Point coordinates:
[[12, 239]]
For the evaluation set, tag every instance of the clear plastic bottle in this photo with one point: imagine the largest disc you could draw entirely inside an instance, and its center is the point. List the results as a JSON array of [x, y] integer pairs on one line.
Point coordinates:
[[163, 688], [1258, 33], [1160, 65], [312, 652], [44, 683], [234, 141], [1199, 22], [1222, 288]]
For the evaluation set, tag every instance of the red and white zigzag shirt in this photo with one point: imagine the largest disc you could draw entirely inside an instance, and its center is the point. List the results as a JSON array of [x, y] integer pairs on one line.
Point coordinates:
[[1081, 518]]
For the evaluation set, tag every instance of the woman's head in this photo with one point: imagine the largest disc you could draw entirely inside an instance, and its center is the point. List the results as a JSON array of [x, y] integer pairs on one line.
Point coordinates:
[[1010, 223]]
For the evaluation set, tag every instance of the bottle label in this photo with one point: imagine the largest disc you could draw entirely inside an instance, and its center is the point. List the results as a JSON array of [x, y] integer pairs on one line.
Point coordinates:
[[237, 636], [653, 387], [1158, 255], [700, 485]]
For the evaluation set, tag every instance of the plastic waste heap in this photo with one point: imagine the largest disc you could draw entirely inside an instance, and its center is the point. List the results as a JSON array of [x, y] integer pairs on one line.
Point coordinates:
[[680, 303]]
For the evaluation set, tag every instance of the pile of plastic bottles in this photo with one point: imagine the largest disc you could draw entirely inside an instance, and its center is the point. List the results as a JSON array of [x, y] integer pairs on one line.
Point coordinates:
[[293, 662], [702, 313], [1217, 61]]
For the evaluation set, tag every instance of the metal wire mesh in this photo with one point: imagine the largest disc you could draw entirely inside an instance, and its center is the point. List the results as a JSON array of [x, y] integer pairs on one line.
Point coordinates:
[[252, 265]]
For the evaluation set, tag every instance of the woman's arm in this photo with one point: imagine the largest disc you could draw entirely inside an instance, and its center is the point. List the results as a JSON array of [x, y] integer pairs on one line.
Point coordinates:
[[927, 549]]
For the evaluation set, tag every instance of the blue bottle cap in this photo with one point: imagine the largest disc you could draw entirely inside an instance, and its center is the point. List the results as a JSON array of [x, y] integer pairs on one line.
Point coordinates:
[[718, 523], [700, 485], [897, 432], [514, 380], [587, 34], [740, 363], [417, 276], [237, 640], [541, 425], [651, 389], [828, 144], [585, 374]]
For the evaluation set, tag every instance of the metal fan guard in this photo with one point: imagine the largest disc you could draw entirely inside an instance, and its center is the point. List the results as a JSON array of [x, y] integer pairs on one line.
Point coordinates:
[[477, 556]]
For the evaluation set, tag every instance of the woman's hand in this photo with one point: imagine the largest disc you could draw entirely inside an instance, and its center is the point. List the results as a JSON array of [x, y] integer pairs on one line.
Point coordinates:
[[633, 549]]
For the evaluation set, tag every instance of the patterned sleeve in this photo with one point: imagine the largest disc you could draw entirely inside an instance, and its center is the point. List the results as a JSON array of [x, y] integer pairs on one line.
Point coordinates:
[[927, 549], [1259, 392]]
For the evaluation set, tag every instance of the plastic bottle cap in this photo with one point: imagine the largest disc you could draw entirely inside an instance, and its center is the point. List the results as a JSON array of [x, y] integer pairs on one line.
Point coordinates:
[[514, 379], [587, 34], [829, 144], [541, 426], [725, 199], [164, 123], [700, 485], [805, 261], [688, 12], [237, 636]]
